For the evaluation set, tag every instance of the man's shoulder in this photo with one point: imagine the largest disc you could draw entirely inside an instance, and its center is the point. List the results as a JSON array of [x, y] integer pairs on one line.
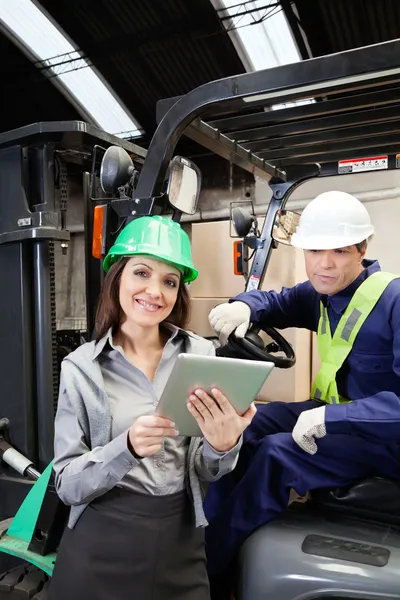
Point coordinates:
[[392, 291], [305, 290]]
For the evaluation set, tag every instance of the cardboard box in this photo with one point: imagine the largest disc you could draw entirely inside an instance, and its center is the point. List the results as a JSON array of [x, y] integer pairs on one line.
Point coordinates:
[[201, 308], [212, 250]]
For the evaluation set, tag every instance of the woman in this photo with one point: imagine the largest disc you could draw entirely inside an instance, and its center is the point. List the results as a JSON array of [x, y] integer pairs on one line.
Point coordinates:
[[133, 483]]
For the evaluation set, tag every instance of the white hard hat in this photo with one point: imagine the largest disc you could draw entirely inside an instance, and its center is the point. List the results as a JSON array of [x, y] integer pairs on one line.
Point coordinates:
[[332, 220]]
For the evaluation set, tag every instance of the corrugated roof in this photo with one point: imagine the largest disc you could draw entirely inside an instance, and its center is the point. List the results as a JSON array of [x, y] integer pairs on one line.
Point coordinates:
[[26, 95], [337, 25], [149, 50]]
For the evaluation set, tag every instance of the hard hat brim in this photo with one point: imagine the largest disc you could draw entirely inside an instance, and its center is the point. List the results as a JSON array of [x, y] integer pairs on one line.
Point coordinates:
[[326, 242], [189, 274]]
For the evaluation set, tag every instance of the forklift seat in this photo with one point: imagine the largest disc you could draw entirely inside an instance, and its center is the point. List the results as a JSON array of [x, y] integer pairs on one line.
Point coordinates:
[[376, 499]]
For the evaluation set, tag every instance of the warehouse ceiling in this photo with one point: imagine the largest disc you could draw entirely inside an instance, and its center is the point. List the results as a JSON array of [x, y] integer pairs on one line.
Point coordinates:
[[147, 50]]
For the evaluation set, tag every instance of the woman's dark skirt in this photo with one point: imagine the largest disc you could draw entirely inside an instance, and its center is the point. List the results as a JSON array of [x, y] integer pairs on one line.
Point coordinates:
[[129, 546]]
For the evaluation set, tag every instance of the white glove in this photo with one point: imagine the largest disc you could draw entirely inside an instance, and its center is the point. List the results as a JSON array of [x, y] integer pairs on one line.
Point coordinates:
[[310, 425], [226, 318]]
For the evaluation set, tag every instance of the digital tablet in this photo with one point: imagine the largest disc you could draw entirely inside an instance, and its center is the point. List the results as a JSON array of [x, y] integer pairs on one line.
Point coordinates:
[[240, 381]]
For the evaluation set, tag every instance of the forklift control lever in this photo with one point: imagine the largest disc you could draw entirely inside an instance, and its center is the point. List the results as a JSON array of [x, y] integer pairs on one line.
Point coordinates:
[[15, 459]]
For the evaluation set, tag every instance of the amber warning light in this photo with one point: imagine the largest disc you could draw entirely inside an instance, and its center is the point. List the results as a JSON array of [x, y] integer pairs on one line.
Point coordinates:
[[240, 258], [99, 228]]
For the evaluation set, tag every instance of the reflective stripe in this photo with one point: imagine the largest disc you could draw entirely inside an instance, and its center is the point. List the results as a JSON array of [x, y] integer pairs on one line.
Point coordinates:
[[334, 400], [324, 319], [350, 324], [317, 394]]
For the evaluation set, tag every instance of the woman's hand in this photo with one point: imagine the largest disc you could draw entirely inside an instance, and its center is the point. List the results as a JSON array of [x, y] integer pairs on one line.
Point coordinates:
[[147, 433], [218, 420]]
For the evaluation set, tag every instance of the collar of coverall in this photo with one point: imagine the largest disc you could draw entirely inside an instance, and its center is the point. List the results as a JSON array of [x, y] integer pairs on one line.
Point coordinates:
[[340, 301]]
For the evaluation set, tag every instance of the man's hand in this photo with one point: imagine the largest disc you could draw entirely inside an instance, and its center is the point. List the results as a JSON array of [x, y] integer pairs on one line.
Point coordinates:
[[147, 433], [219, 422], [310, 425], [226, 318]]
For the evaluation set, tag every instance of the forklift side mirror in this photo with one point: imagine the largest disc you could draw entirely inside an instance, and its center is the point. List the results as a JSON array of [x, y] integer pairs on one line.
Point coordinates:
[[116, 169], [285, 224], [184, 183]]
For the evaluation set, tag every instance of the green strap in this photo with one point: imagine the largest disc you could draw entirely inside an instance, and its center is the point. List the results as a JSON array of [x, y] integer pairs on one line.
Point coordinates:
[[23, 524], [334, 351], [17, 538]]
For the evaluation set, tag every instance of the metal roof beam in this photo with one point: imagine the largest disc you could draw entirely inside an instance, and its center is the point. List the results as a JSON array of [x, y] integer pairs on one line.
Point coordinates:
[[334, 156], [247, 136], [287, 6], [326, 135], [310, 111], [217, 142], [355, 145]]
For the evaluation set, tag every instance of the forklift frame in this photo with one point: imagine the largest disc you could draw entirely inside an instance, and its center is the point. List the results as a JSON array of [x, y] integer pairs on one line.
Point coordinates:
[[354, 99]]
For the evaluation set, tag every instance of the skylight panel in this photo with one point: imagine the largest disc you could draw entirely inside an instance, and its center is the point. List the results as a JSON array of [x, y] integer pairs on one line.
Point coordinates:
[[51, 51], [263, 31], [262, 37]]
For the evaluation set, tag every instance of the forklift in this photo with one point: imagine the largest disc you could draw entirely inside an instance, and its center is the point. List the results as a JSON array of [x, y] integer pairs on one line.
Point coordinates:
[[341, 543]]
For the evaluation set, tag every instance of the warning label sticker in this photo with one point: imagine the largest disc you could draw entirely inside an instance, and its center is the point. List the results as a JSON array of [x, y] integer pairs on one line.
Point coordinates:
[[359, 165], [252, 283]]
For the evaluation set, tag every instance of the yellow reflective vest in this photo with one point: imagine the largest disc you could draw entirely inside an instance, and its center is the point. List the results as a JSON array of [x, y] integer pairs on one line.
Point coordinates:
[[333, 351]]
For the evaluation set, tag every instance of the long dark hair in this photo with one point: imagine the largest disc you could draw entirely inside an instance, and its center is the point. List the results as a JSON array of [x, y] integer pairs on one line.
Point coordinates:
[[109, 312]]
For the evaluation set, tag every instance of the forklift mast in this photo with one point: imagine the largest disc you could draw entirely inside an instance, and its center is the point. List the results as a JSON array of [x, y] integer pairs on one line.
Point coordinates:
[[34, 165]]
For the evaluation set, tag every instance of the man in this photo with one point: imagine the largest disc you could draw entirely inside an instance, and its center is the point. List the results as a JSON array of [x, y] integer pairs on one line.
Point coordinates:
[[350, 428]]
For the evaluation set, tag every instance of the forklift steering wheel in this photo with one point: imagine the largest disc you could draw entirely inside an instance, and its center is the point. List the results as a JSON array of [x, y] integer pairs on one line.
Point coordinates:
[[252, 347]]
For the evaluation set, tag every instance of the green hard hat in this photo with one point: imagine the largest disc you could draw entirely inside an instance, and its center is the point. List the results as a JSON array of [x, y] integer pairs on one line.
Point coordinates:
[[155, 236]]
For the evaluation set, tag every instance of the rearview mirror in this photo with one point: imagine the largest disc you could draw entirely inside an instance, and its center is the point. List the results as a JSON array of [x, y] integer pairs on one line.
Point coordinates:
[[184, 184], [285, 224]]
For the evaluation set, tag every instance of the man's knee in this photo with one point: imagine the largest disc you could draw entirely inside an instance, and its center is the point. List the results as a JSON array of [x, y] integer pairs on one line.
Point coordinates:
[[281, 449], [278, 443]]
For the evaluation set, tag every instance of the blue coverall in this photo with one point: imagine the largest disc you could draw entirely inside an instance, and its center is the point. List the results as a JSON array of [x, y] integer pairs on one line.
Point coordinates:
[[362, 438]]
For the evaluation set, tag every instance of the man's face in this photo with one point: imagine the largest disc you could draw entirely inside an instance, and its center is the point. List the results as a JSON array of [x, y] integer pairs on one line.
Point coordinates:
[[331, 271]]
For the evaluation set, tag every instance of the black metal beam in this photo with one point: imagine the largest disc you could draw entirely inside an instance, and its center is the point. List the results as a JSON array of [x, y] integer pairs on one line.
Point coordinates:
[[302, 140], [345, 71], [308, 111], [333, 155], [42, 306], [281, 192], [163, 106], [317, 124], [93, 267], [354, 144], [295, 27], [247, 11], [71, 133], [221, 145]]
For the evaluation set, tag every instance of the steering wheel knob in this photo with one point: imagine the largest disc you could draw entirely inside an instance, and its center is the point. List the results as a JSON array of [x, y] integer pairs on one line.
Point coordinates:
[[254, 338]]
